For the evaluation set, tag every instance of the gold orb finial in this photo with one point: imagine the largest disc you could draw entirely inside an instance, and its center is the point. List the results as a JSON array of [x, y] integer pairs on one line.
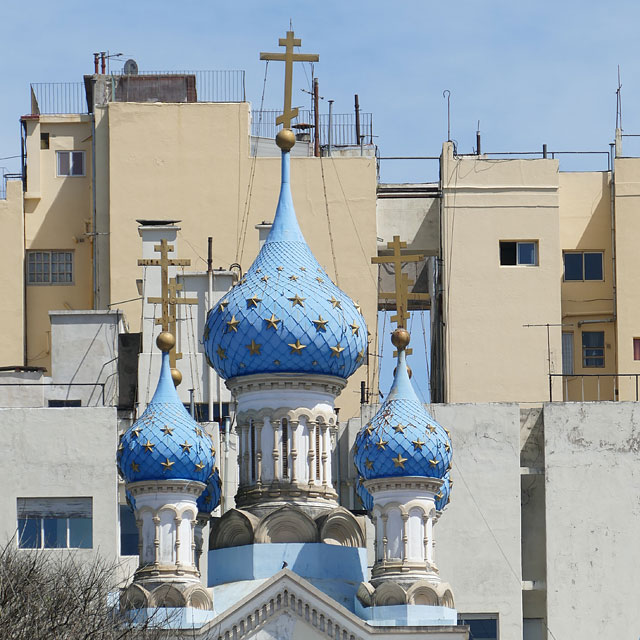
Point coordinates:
[[400, 338], [165, 341], [176, 376], [285, 139]]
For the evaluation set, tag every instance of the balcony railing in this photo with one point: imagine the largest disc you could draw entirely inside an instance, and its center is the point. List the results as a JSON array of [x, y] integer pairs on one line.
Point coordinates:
[[343, 126], [597, 387]]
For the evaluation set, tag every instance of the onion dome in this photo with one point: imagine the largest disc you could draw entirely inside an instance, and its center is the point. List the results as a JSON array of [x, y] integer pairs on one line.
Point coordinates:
[[442, 497], [131, 501], [365, 497], [210, 498], [165, 443], [285, 315], [402, 439]]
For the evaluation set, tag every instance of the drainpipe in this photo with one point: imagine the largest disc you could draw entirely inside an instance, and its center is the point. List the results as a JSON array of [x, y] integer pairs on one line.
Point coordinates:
[[94, 215], [330, 128], [612, 190], [210, 372]]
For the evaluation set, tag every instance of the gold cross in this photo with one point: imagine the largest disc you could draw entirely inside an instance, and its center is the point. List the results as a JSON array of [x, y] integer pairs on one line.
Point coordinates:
[[289, 57], [401, 294]]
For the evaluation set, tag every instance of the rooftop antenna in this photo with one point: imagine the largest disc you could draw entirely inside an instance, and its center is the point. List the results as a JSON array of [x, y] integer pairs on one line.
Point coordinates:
[[619, 102], [447, 94], [478, 146]]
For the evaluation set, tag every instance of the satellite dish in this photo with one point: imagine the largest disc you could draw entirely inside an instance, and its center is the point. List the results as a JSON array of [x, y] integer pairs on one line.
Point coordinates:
[[131, 67]]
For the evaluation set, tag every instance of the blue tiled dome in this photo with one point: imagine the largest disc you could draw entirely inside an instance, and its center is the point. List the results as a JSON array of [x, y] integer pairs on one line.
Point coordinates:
[[402, 439], [165, 443], [210, 498], [363, 494], [442, 498], [285, 315]]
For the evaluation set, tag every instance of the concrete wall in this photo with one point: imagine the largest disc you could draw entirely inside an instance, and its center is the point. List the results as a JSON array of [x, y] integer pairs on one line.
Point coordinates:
[[490, 356], [12, 269], [593, 519]]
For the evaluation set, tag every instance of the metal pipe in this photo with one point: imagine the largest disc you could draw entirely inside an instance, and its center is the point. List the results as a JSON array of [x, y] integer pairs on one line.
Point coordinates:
[[94, 213], [316, 119], [595, 321], [330, 128], [614, 288], [192, 404], [478, 141], [210, 372], [103, 62], [544, 151], [96, 58], [357, 108]]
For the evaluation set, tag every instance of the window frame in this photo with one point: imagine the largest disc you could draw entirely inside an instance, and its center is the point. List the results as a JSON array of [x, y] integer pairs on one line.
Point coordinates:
[[582, 254], [586, 357], [49, 253], [70, 152], [536, 255]]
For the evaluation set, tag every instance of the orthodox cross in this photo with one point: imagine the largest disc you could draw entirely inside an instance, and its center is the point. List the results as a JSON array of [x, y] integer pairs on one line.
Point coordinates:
[[289, 57], [401, 295], [169, 289]]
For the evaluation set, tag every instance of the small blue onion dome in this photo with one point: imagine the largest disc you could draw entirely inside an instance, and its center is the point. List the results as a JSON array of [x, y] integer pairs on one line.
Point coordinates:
[[402, 439], [131, 501], [442, 498], [210, 498], [165, 443], [285, 315], [365, 497]]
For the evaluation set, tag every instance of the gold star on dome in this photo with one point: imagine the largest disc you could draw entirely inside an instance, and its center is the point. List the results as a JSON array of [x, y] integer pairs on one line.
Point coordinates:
[[221, 353], [433, 463], [381, 444], [293, 277], [186, 447], [417, 444], [280, 268], [297, 347], [449, 467], [167, 464], [222, 305], [254, 348], [232, 325], [303, 268], [320, 324], [336, 351], [357, 306], [253, 301], [135, 467], [360, 481], [355, 329], [447, 431], [368, 464], [315, 363], [167, 430], [272, 322], [199, 466], [360, 355], [148, 446], [297, 300], [336, 303], [265, 278], [206, 332], [276, 362], [198, 431], [355, 448], [440, 495], [431, 428], [258, 270], [447, 447], [135, 432], [399, 428], [213, 450], [399, 461], [121, 447], [207, 498], [369, 430], [319, 279]]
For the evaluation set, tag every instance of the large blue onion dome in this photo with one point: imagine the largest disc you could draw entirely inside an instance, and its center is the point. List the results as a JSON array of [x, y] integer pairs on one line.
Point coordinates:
[[365, 497], [285, 315], [443, 496], [402, 439], [165, 443], [210, 498]]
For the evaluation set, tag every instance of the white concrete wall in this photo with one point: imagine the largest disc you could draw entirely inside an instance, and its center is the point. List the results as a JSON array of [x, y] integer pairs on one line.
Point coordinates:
[[593, 519]]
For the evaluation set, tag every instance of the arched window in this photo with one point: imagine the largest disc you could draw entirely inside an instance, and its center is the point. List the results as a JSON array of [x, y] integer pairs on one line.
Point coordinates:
[[318, 452], [252, 436], [285, 449]]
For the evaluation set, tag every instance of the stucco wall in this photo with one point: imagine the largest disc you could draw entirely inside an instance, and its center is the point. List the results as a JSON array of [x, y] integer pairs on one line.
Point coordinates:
[[593, 519]]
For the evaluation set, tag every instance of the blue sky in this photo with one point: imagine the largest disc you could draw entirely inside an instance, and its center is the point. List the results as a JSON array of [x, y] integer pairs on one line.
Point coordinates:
[[531, 72]]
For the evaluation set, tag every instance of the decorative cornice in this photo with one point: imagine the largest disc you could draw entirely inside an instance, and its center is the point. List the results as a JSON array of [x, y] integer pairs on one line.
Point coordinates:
[[414, 483], [192, 487], [290, 381]]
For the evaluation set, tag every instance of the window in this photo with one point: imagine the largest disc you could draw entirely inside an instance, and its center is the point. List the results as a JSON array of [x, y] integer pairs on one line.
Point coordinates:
[[518, 253], [70, 163], [128, 531], [481, 626], [55, 523], [636, 348], [44, 140], [64, 403], [567, 353], [202, 411], [583, 265], [285, 449], [50, 267], [593, 348]]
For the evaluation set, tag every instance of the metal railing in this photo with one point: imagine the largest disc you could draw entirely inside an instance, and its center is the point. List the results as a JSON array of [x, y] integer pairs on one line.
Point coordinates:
[[343, 126], [3, 183], [51, 98], [598, 387]]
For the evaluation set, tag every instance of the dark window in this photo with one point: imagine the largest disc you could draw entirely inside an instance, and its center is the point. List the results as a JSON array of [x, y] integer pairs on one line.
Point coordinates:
[[128, 532], [583, 265], [518, 253], [202, 411], [44, 140], [485, 628], [65, 403], [55, 523], [70, 163], [50, 267], [285, 449], [636, 348], [593, 348]]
